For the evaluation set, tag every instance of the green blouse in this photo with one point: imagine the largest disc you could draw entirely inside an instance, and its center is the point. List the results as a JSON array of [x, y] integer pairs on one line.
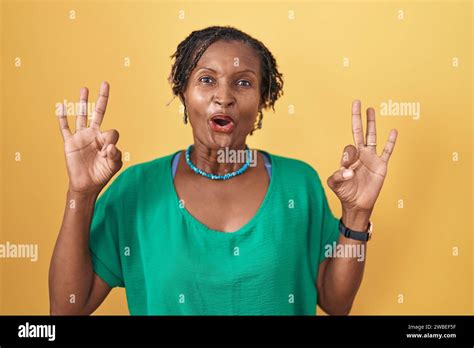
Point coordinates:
[[143, 238]]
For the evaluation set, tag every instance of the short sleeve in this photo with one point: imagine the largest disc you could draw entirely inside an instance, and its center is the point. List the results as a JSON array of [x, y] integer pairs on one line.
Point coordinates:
[[104, 242], [329, 224], [329, 229]]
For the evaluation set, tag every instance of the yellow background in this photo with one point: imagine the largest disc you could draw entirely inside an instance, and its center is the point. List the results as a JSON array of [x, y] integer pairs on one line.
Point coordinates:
[[407, 60]]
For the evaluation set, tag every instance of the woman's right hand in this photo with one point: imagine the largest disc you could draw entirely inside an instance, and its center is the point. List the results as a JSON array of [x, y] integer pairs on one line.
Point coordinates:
[[92, 158]]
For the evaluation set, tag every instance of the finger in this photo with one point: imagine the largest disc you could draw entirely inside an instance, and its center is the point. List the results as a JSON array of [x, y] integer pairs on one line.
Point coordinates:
[[63, 125], [349, 156], [356, 164], [339, 177], [389, 146], [109, 137], [114, 158], [100, 106], [371, 135], [81, 117], [357, 131]]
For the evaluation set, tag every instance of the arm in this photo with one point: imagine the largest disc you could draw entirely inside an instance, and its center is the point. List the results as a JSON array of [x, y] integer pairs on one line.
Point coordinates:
[[339, 278], [92, 159], [357, 184], [74, 287]]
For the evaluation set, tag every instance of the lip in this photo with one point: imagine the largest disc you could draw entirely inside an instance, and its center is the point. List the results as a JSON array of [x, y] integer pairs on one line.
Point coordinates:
[[227, 128]]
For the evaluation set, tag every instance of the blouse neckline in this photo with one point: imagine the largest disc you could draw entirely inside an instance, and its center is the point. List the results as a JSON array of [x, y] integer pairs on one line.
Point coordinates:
[[212, 232]]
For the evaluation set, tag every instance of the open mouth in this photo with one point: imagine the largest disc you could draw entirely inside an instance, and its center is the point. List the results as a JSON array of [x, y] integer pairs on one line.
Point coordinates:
[[222, 123]]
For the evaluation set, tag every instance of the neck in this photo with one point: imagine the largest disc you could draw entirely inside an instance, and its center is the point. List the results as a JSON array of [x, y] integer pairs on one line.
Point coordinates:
[[213, 161]]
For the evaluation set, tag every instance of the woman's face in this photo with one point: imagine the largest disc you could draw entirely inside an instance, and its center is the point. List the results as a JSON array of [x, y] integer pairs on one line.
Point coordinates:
[[222, 94]]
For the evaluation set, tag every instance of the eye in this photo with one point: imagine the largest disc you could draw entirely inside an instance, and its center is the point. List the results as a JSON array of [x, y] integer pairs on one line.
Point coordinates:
[[246, 83], [205, 79]]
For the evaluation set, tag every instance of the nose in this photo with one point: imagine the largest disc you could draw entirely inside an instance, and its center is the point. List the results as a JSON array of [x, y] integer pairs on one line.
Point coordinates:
[[224, 97]]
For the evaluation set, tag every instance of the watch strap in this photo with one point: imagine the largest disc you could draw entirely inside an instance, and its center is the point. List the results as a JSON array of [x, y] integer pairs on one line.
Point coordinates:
[[357, 235]]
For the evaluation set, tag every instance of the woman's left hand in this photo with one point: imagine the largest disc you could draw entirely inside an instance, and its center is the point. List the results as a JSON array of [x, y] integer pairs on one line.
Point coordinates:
[[366, 170]]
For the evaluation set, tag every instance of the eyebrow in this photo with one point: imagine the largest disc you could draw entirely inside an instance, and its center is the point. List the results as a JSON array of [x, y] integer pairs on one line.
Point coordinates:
[[237, 72]]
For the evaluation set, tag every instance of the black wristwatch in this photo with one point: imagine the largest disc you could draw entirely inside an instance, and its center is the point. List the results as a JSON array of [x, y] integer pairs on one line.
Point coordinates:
[[357, 235]]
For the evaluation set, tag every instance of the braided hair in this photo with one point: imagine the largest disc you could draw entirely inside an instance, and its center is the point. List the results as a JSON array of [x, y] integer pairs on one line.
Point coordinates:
[[190, 50]]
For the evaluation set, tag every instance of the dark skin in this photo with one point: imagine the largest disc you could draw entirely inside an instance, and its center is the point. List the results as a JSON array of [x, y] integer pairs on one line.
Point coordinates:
[[222, 206], [93, 158], [234, 90], [237, 200]]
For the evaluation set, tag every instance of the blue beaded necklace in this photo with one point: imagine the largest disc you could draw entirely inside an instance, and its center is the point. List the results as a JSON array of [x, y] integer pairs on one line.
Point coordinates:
[[214, 176]]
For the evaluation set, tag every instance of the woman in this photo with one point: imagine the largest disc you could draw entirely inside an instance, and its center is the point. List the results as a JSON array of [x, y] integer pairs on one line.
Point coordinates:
[[193, 233]]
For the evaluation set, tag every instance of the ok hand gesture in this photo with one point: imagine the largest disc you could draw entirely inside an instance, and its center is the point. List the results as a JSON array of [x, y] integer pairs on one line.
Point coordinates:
[[92, 157], [358, 182]]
